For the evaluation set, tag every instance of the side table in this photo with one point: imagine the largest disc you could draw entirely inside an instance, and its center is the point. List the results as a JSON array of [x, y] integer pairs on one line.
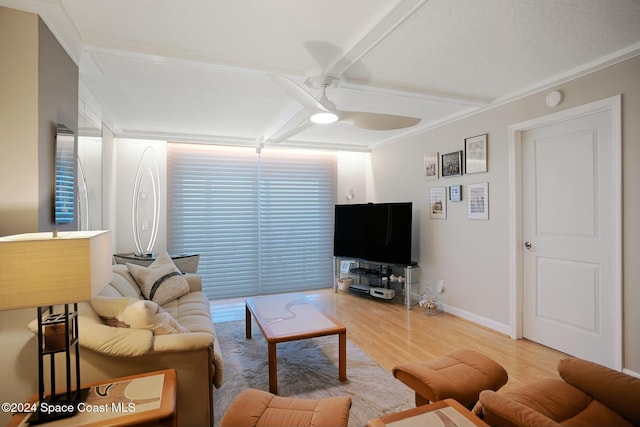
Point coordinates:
[[147, 399], [186, 263], [446, 412]]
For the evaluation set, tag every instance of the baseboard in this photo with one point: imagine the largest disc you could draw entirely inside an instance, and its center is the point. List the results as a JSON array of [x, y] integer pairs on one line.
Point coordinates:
[[482, 321], [499, 327]]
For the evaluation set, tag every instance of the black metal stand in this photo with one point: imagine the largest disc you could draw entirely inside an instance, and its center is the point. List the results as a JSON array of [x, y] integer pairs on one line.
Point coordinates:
[[58, 333]]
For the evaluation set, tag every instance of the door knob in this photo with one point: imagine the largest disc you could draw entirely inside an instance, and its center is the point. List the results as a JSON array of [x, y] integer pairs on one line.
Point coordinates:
[[528, 245]]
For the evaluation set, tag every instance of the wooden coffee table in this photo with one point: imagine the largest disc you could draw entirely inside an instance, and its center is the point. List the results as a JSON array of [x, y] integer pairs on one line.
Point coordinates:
[[291, 317]]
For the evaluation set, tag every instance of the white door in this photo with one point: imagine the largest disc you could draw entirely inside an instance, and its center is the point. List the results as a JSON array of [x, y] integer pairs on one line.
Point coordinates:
[[569, 237]]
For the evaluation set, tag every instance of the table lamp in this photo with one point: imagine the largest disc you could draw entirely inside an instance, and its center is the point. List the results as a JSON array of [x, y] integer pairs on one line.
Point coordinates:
[[44, 270]]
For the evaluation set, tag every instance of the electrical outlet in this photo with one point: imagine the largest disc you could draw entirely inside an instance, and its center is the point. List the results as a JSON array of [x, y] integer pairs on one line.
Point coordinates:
[[440, 287]]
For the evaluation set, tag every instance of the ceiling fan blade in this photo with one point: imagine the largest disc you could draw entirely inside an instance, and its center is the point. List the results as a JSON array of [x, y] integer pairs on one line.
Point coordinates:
[[297, 92], [377, 121], [360, 119]]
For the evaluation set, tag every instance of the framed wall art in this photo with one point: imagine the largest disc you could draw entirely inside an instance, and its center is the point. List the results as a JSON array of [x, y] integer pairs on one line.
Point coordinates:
[[438, 203], [452, 164], [475, 154], [455, 193], [478, 201], [431, 166]]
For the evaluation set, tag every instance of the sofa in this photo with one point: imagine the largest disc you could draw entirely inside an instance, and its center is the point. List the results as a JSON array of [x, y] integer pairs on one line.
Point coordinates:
[[175, 333], [587, 394]]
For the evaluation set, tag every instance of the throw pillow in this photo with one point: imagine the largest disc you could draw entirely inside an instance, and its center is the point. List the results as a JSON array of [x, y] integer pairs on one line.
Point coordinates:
[[161, 281], [149, 315], [128, 312], [110, 309]]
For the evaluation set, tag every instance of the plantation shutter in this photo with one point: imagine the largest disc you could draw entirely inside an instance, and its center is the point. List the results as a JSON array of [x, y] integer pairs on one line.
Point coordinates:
[[262, 223]]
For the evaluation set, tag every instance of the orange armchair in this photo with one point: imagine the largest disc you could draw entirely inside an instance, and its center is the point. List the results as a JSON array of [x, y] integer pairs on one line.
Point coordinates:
[[588, 395]]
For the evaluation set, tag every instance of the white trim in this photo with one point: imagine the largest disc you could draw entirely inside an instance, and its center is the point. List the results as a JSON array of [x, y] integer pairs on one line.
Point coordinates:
[[614, 105], [480, 320], [235, 141], [515, 233], [632, 373]]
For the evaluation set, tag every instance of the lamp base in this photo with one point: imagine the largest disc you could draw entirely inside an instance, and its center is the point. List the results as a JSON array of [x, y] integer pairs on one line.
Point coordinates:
[[57, 407]]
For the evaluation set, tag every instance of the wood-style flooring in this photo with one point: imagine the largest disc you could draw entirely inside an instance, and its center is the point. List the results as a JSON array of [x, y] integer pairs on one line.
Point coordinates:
[[391, 334]]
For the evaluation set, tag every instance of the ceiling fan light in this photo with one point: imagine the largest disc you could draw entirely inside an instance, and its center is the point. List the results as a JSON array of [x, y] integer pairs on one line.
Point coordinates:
[[324, 117]]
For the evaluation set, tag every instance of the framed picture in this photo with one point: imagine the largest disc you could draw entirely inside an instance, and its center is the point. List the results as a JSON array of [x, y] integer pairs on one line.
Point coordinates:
[[455, 193], [478, 201], [431, 163], [452, 164], [345, 267], [475, 154], [438, 203]]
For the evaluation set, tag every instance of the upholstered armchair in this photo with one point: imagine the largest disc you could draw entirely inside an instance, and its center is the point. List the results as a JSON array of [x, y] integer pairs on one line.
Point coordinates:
[[587, 395]]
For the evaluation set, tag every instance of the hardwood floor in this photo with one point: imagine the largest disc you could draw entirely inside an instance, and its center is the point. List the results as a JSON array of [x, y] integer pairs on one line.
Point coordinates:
[[391, 334]]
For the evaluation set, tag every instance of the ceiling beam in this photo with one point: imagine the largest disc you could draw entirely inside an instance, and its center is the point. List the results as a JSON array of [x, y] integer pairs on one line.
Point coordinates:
[[402, 11]]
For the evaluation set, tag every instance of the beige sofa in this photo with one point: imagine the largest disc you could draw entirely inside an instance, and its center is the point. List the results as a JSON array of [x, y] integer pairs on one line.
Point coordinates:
[[110, 352]]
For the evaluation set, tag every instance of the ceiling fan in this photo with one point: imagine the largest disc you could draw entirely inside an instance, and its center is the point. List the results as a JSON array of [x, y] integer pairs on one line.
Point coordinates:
[[323, 111]]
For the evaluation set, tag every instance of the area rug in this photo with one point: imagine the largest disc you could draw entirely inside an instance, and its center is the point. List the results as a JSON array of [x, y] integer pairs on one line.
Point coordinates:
[[307, 369]]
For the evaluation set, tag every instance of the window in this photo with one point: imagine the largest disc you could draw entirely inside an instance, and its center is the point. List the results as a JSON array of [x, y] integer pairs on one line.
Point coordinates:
[[262, 223]]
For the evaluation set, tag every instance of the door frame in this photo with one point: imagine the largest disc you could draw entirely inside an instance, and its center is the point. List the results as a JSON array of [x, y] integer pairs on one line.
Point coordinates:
[[516, 279]]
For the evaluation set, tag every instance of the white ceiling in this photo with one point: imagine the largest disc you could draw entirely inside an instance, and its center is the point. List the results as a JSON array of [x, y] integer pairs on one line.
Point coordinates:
[[196, 70]]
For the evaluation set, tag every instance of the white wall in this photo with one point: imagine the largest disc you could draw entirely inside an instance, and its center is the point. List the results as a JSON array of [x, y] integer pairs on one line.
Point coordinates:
[[127, 157], [353, 169], [109, 199], [468, 255]]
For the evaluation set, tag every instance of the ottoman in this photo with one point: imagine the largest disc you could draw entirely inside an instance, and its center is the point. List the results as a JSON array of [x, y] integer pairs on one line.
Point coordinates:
[[459, 375], [256, 407]]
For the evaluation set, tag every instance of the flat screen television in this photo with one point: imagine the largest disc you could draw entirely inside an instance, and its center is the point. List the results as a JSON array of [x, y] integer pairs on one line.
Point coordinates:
[[377, 232]]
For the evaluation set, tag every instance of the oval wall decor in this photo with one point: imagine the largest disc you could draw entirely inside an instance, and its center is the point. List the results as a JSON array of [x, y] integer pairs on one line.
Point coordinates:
[[145, 212]]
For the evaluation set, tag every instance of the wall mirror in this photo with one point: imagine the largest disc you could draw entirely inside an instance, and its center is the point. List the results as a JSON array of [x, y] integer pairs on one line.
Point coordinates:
[[89, 169], [64, 200]]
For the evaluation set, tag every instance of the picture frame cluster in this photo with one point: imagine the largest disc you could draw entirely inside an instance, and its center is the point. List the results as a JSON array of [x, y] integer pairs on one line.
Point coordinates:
[[471, 160]]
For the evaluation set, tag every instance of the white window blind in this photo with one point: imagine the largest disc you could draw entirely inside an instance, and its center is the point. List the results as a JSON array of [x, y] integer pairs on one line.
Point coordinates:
[[297, 195], [212, 209], [262, 223]]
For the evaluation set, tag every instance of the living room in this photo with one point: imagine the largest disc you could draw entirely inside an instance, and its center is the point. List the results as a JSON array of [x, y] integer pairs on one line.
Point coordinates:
[[473, 258]]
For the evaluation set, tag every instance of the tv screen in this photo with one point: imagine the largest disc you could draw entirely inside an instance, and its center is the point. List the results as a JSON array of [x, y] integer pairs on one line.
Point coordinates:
[[378, 232]]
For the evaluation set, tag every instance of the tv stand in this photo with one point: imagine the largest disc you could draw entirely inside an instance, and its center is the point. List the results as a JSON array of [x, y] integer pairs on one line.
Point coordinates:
[[368, 275]]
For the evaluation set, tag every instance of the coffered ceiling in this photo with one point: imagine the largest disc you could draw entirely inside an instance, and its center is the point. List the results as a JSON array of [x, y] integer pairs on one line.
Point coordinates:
[[197, 70]]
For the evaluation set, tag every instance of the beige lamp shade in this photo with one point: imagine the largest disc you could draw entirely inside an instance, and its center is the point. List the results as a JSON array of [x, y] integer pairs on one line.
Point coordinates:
[[37, 269]]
